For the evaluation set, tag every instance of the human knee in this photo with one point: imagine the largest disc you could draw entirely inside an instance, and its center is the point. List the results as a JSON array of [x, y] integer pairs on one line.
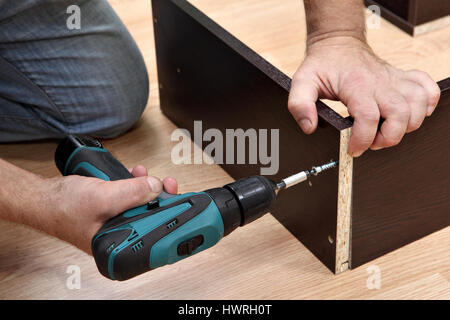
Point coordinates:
[[122, 92]]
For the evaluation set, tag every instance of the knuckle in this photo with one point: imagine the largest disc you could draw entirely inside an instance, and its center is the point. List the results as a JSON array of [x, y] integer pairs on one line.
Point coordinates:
[[293, 105], [419, 95], [402, 112], [99, 201], [299, 75], [304, 73], [395, 100], [138, 190], [414, 125], [100, 198], [144, 187], [355, 79], [394, 138], [356, 76], [363, 138], [371, 115], [364, 142], [435, 94], [419, 74], [433, 89], [392, 141]]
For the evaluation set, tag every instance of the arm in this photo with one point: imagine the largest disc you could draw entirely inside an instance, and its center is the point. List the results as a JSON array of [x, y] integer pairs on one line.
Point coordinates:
[[72, 208], [340, 65]]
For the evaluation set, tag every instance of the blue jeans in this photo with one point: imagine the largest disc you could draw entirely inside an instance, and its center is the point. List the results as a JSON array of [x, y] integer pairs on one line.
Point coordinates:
[[55, 81]]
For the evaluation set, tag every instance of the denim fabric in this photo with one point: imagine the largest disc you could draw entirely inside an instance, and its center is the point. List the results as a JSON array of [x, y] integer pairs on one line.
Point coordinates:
[[55, 81]]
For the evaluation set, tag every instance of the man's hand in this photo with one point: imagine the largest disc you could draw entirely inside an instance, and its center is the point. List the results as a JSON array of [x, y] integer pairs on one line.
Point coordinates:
[[73, 208], [346, 69], [339, 65], [83, 204]]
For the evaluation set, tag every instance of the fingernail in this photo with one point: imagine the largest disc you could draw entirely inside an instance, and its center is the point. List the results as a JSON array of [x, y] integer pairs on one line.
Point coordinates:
[[376, 148], [155, 184], [306, 125], [430, 111]]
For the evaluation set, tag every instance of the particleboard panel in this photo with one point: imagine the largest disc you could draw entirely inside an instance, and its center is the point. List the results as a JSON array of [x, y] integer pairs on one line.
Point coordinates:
[[207, 74]]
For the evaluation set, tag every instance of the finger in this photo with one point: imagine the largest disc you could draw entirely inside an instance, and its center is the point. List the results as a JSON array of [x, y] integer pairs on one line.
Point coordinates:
[[396, 112], [302, 103], [430, 86], [170, 185], [364, 109], [118, 196], [417, 99], [139, 171]]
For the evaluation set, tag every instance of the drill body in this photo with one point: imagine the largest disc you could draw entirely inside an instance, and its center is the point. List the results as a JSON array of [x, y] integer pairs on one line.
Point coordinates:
[[168, 229]]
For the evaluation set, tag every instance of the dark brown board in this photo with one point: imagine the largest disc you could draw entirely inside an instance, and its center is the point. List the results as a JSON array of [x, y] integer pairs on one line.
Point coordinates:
[[407, 14], [402, 193], [423, 11], [207, 74], [398, 7]]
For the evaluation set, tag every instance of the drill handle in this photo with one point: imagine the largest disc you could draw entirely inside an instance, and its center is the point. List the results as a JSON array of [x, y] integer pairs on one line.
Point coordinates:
[[85, 156], [97, 163]]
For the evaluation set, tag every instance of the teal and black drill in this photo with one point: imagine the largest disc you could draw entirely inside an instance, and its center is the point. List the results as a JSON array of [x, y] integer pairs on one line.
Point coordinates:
[[173, 226]]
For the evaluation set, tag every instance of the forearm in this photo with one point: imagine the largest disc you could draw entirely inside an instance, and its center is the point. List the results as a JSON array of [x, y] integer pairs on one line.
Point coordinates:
[[72, 208], [23, 198], [334, 19]]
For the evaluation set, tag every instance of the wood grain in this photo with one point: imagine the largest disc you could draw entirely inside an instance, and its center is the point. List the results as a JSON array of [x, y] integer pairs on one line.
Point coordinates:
[[262, 261]]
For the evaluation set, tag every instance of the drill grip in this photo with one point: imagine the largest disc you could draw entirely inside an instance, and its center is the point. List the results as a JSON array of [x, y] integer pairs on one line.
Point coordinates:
[[86, 157]]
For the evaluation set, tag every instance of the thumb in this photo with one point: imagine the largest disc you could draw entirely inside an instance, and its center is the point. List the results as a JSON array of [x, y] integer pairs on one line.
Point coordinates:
[[129, 193], [302, 103]]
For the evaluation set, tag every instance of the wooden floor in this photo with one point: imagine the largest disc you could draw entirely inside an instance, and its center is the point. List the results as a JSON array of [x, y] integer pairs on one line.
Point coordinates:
[[262, 260]]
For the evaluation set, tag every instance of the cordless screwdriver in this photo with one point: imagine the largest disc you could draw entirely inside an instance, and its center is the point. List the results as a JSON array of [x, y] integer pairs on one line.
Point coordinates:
[[173, 226]]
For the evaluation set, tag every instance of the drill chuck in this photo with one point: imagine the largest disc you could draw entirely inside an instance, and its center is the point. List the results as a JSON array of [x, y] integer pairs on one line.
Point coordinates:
[[243, 201]]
